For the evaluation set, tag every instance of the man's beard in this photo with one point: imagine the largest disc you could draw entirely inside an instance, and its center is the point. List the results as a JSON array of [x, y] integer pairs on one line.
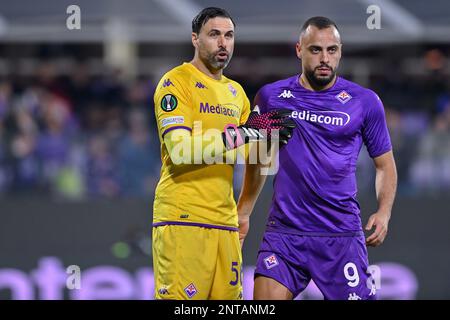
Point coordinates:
[[319, 82], [213, 62]]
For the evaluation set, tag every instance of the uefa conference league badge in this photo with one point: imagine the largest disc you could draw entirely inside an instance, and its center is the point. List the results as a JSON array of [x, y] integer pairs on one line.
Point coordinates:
[[169, 102]]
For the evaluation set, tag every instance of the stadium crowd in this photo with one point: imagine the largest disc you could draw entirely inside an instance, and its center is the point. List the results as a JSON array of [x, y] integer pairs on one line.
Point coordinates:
[[76, 136]]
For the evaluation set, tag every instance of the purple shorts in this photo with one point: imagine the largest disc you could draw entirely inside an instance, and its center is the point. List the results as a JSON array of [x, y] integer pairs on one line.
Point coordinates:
[[337, 264]]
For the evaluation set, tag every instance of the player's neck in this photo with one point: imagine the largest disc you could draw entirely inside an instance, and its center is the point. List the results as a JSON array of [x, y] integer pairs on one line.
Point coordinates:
[[215, 74], [304, 82]]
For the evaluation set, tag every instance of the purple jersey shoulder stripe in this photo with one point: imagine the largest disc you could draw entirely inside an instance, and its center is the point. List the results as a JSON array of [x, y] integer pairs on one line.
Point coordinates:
[[173, 128], [194, 224]]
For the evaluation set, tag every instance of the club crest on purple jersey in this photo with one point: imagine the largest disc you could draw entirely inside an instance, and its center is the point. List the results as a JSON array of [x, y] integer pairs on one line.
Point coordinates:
[[343, 97], [271, 261], [190, 290]]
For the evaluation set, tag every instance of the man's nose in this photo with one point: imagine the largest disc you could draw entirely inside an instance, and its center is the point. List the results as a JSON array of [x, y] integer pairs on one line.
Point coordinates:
[[325, 57], [221, 42]]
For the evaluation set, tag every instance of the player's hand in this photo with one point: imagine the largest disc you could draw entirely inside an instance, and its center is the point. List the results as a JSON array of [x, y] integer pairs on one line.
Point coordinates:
[[244, 225], [380, 221], [259, 127]]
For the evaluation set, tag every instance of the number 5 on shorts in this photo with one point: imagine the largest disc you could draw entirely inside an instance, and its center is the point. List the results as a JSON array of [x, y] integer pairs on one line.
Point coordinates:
[[236, 273]]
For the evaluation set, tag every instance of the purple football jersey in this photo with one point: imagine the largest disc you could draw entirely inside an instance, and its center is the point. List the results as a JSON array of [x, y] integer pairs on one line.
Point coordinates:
[[315, 187]]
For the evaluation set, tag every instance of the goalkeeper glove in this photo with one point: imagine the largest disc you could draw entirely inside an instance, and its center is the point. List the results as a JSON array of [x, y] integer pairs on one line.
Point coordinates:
[[259, 127]]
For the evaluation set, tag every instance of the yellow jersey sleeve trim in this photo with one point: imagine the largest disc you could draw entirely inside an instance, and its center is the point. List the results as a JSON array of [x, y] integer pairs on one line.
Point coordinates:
[[173, 104]]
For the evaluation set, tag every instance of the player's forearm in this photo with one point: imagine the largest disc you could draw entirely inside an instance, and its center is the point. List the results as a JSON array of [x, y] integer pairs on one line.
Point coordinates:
[[255, 176], [386, 186], [251, 188], [208, 148], [184, 148]]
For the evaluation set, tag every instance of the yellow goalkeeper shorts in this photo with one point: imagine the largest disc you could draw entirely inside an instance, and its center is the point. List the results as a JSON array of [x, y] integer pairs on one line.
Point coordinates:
[[196, 263]]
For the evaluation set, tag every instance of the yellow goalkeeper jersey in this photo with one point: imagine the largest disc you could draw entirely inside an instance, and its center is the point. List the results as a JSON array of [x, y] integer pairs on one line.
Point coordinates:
[[196, 194]]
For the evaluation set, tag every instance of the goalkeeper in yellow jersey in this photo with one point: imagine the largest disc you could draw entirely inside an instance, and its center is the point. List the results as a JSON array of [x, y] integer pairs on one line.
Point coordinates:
[[196, 247]]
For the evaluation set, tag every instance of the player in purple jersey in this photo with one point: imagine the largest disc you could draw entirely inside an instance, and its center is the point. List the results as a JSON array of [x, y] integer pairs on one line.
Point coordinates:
[[314, 227]]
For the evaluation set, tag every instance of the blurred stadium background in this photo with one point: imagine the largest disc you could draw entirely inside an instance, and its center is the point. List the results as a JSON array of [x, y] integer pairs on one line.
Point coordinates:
[[79, 152]]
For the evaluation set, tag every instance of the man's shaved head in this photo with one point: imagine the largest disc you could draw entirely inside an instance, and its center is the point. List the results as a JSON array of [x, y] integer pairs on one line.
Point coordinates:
[[320, 23]]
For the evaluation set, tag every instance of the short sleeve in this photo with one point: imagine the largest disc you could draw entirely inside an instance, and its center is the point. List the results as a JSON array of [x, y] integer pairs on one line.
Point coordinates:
[[245, 109], [173, 109], [375, 132], [261, 101]]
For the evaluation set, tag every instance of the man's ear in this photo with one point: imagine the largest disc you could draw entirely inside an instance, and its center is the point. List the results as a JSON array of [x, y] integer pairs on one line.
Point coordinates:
[[298, 49], [194, 38]]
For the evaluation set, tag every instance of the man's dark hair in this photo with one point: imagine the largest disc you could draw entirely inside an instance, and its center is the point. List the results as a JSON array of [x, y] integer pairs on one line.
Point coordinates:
[[208, 13], [318, 22]]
